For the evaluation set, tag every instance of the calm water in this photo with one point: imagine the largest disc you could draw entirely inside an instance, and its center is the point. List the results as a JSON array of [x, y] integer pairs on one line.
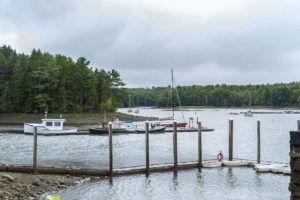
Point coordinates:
[[92, 151], [210, 184]]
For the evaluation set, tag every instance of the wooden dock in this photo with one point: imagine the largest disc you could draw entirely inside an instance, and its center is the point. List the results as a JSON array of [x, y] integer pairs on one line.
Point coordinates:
[[18, 168], [86, 132]]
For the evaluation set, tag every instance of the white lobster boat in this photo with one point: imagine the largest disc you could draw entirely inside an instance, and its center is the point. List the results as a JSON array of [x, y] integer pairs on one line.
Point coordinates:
[[49, 127]]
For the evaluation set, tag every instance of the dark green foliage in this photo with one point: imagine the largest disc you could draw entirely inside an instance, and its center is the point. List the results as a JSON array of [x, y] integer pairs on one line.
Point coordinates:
[[276, 95], [41, 81]]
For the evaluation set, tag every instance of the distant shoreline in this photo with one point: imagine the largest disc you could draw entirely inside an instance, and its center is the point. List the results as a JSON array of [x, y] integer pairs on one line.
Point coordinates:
[[72, 119], [216, 107]]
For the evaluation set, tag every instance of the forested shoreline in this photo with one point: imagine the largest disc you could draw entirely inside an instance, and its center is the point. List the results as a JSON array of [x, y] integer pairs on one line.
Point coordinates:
[[40, 81], [269, 95]]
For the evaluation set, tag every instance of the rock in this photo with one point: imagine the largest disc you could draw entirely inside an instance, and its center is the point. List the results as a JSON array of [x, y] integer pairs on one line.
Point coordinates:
[[7, 177], [41, 179], [36, 184]]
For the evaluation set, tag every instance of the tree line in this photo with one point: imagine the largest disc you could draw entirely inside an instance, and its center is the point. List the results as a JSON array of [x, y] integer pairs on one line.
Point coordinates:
[[271, 95], [40, 81]]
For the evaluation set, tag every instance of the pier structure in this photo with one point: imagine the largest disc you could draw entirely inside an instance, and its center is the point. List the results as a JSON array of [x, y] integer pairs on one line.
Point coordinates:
[[148, 167]]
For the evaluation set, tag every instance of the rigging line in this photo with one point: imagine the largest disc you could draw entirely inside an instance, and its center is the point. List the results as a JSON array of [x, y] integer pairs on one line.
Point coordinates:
[[179, 101]]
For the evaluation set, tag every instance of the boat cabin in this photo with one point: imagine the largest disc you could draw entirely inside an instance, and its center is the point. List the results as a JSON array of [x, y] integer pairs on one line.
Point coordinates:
[[53, 124]]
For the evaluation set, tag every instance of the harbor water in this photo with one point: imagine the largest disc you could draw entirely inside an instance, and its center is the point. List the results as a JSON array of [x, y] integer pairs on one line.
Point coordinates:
[[129, 150]]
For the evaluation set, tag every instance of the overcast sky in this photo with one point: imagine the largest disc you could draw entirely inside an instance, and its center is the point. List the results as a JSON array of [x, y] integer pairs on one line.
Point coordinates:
[[204, 41]]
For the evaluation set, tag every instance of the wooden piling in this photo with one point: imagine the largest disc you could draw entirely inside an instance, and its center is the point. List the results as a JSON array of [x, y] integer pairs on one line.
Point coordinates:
[[258, 141], [147, 148], [110, 148], [175, 144], [230, 151], [294, 186], [34, 159], [298, 125], [199, 146]]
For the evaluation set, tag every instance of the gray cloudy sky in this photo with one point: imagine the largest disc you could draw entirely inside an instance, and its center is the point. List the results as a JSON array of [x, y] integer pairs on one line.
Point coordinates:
[[205, 41]]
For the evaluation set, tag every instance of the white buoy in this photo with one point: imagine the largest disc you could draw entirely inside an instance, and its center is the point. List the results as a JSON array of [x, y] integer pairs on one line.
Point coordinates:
[[268, 167], [235, 163]]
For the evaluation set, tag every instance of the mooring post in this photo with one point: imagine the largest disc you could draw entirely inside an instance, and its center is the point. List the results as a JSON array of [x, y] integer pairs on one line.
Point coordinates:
[[199, 145], [34, 149], [110, 148], [147, 147], [258, 141], [230, 139], [298, 125], [175, 143]]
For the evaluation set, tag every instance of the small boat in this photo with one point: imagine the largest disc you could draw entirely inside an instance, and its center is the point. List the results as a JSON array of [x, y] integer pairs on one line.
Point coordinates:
[[211, 164], [117, 127], [248, 113], [49, 127]]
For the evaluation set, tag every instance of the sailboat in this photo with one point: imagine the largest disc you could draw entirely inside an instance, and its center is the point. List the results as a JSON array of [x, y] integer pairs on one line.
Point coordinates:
[[129, 106], [249, 112], [170, 121]]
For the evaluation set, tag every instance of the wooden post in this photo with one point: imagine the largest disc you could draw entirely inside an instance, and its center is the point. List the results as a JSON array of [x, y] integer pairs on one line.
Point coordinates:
[[258, 141], [298, 125], [147, 147], [34, 160], [175, 143], [230, 139], [199, 146], [110, 148], [295, 166]]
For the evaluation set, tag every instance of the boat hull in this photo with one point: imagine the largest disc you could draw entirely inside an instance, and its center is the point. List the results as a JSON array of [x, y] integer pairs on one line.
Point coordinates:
[[180, 124], [154, 130], [104, 131]]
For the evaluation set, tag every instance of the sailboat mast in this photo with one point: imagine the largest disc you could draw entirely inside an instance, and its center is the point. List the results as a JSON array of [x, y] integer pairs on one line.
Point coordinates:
[[250, 102], [172, 93], [129, 101]]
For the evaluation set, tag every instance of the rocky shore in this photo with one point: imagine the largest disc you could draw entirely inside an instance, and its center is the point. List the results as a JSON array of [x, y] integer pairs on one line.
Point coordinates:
[[21, 186]]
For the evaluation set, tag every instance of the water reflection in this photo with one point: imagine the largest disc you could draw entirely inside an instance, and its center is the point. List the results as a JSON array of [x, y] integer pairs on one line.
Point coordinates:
[[225, 184], [231, 178]]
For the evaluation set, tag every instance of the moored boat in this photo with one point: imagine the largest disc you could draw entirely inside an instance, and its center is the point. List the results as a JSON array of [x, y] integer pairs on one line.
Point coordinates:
[[49, 127], [117, 127]]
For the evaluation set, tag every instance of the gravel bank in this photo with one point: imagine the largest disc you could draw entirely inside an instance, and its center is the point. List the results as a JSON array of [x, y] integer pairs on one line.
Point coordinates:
[[19, 186]]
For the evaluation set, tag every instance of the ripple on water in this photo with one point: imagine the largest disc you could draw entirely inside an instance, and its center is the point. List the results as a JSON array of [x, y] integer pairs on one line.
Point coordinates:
[[223, 183]]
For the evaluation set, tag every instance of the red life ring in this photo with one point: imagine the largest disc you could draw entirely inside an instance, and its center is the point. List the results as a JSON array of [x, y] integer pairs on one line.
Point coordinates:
[[220, 156]]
